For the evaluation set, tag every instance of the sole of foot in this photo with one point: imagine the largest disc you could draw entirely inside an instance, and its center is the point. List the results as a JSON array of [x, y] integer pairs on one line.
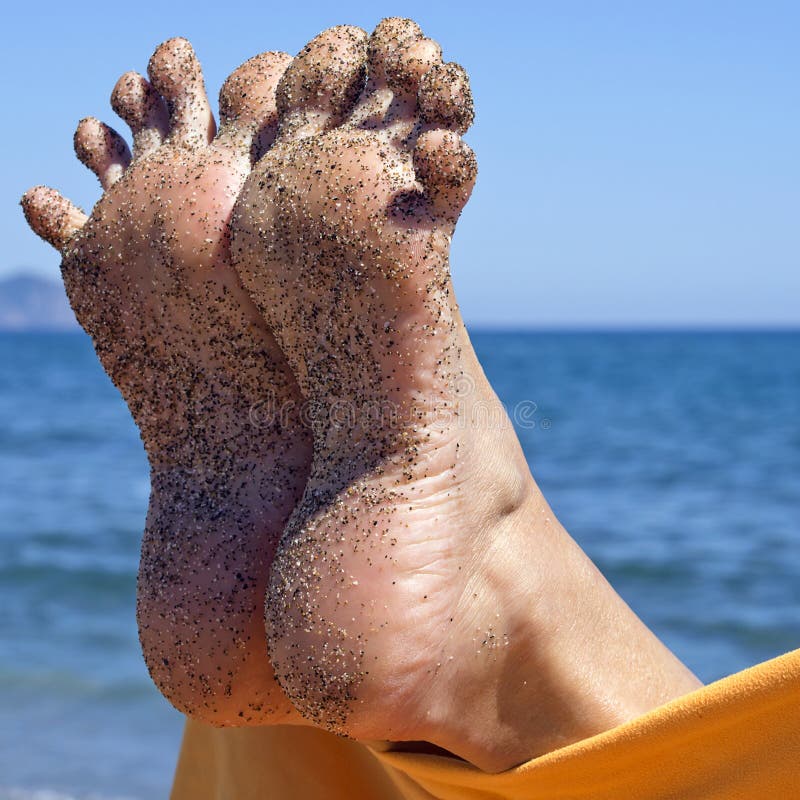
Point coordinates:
[[422, 573], [149, 277]]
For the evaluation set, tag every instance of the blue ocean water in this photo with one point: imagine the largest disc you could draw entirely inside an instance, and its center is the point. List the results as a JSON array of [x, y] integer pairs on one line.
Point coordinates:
[[674, 460]]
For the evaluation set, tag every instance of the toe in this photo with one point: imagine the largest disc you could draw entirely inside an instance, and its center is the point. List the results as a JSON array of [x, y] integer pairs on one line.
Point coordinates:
[[323, 82], [51, 216], [445, 99], [247, 104], [176, 74], [447, 168], [399, 54], [136, 101], [102, 150]]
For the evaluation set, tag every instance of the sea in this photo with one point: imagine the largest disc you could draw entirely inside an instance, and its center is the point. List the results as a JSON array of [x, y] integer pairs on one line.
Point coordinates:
[[672, 457]]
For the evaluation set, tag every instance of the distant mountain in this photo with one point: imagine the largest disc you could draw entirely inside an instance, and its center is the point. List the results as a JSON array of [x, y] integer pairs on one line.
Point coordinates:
[[31, 303]]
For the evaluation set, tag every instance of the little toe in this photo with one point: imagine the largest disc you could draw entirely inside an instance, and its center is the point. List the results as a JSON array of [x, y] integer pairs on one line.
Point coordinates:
[[136, 101], [400, 54], [248, 106], [447, 168], [51, 216], [323, 82], [176, 74], [445, 98], [102, 150]]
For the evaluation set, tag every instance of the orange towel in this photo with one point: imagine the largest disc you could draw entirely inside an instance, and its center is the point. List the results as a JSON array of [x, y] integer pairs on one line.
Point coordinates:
[[735, 739]]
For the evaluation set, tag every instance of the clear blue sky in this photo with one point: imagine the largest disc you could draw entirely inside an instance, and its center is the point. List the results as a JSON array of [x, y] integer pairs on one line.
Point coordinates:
[[639, 161]]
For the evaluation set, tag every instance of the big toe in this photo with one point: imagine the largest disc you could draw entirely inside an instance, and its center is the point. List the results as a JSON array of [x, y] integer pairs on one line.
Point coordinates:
[[176, 74], [248, 104], [323, 82]]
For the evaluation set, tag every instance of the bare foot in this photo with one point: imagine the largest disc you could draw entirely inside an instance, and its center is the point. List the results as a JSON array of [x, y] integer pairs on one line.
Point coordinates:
[[149, 278], [423, 589]]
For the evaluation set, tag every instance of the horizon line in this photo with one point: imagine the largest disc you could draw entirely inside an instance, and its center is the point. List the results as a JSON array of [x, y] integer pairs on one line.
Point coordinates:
[[556, 329]]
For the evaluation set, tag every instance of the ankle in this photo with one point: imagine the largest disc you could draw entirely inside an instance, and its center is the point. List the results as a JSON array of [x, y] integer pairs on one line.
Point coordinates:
[[567, 659]]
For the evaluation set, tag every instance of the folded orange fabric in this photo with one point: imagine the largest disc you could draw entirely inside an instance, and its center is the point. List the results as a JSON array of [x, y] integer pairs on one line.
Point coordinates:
[[737, 739]]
